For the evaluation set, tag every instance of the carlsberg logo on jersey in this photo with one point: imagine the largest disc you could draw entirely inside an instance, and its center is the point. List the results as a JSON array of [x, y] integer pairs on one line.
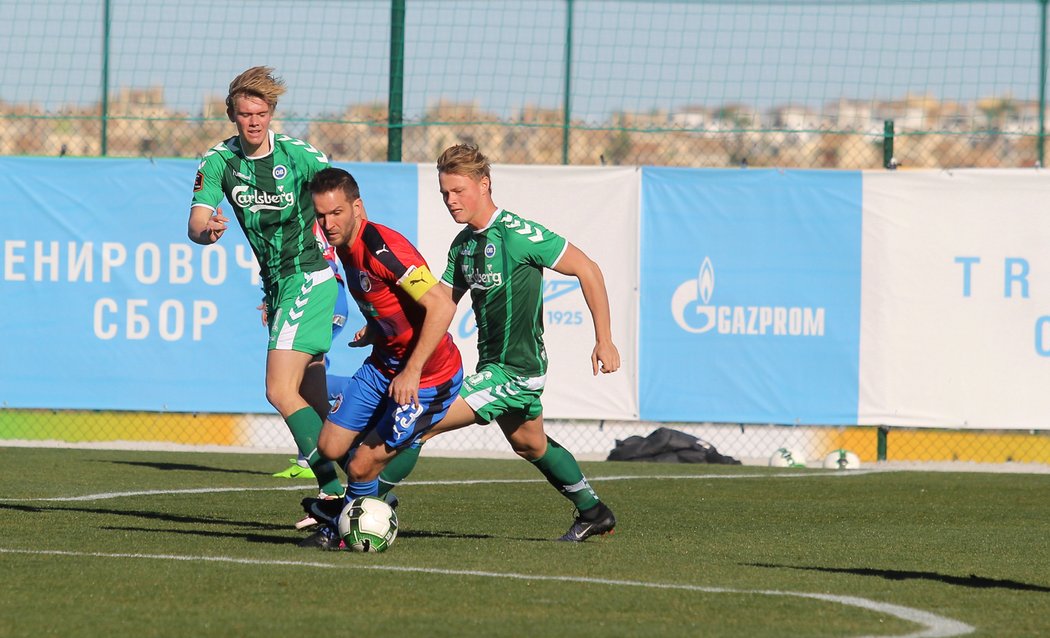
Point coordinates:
[[253, 200], [691, 309], [482, 280]]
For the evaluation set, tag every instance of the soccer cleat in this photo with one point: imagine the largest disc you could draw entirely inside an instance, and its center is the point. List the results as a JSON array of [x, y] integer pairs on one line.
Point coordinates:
[[596, 521], [329, 507], [305, 522], [326, 539], [296, 471], [323, 510], [391, 499]]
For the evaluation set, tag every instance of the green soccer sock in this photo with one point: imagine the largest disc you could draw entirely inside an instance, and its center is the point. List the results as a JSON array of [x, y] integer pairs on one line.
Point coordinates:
[[562, 471], [399, 467], [305, 426]]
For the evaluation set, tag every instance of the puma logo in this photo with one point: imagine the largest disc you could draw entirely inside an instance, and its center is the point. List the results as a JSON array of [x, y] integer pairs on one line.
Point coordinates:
[[384, 249]]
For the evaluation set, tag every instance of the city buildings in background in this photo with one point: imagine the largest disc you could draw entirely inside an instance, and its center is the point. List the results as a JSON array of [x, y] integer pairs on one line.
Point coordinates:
[[928, 133]]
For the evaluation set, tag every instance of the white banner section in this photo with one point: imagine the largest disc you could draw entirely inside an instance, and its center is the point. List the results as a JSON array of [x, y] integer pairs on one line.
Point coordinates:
[[595, 208], [955, 299]]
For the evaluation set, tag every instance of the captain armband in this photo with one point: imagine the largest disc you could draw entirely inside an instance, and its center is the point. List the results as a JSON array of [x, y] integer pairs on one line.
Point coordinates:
[[416, 281]]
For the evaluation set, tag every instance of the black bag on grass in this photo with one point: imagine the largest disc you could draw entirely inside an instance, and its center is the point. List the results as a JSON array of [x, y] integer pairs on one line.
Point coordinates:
[[665, 445]]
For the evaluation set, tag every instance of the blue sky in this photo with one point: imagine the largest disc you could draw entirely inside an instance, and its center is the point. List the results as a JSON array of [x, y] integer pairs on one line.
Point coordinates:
[[632, 56]]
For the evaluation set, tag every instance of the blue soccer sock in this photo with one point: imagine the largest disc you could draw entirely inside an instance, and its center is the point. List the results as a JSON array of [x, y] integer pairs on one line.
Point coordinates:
[[362, 488]]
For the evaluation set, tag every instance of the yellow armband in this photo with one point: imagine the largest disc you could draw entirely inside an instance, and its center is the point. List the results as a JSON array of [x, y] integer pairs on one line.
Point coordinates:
[[417, 281]]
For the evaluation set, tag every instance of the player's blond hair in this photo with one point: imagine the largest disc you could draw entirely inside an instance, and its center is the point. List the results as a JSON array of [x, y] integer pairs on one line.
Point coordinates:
[[258, 81], [465, 159]]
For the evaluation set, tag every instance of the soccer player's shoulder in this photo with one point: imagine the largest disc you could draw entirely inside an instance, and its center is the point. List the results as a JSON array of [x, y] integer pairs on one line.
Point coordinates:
[[505, 217], [379, 239], [513, 221], [220, 152], [462, 237], [517, 227], [295, 146]]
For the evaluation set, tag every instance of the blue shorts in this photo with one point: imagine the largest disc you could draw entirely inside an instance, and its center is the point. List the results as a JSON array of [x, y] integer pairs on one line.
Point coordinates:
[[363, 404]]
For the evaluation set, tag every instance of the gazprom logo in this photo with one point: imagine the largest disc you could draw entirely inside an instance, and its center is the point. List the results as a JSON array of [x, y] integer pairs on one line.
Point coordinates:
[[693, 312]]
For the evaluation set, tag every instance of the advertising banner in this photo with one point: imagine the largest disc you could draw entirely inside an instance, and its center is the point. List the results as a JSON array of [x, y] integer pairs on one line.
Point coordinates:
[[108, 305], [741, 296], [956, 299], [750, 295]]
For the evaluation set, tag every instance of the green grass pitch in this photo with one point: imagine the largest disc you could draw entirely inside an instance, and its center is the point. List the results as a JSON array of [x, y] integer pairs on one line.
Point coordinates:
[[102, 543]]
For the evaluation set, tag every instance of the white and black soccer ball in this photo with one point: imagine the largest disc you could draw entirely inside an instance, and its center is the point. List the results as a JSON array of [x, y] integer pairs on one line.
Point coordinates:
[[368, 524], [787, 457], [841, 459]]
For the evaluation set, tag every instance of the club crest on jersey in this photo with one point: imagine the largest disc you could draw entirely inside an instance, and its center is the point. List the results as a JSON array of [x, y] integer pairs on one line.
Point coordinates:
[[365, 281], [279, 172], [198, 183], [490, 251]]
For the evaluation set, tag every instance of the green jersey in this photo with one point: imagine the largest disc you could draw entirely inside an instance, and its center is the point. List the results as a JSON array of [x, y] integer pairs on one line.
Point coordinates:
[[502, 266], [270, 196]]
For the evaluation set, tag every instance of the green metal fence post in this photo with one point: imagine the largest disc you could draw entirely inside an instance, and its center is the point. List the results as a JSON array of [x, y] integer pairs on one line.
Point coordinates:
[[887, 145], [104, 110], [1041, 140], [567, 103], [395, 117], [880, 443]]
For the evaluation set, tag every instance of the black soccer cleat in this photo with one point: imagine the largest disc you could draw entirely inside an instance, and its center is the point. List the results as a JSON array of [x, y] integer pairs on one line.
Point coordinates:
[[593, 522], [326, 539], [324, 511]]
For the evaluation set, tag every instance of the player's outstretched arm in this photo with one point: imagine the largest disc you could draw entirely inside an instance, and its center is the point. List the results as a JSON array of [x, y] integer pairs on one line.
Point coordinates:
[[206, 226], [604, 357]]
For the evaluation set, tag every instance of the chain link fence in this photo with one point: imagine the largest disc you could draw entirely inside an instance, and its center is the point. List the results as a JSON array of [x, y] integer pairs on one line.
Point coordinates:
[[801, 84], [833, 84]]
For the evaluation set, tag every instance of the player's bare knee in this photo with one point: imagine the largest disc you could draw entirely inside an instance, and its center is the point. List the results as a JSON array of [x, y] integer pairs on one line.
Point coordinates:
[[330, 446], [330, 450], [281, 399], [529, 450], [362, 467]]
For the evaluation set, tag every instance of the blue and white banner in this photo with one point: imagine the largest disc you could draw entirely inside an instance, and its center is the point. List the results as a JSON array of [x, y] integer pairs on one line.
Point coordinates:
[[754, 296], [956, 297], [108, 305], [750, 295]]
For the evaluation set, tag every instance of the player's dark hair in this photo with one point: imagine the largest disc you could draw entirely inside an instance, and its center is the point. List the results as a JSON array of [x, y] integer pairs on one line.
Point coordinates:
[[331, 178]]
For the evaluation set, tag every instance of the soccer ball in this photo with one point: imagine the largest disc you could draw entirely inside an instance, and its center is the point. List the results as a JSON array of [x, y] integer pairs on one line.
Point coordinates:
[[841, 460], [368, 524], [787, 457]]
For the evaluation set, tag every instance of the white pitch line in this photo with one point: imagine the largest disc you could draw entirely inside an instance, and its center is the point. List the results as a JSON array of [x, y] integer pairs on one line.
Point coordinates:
[[219, 490], [933, 625]]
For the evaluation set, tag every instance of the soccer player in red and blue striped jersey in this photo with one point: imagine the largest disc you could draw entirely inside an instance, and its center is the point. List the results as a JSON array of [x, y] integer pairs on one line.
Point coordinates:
[[414, 371]]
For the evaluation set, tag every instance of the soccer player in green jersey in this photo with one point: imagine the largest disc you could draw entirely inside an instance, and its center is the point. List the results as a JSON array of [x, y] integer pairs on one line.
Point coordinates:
[[265, 177], [499, 258]]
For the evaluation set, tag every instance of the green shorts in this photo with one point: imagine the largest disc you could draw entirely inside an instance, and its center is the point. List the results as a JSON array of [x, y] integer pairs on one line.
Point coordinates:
[[300, 317], [493, 392]]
